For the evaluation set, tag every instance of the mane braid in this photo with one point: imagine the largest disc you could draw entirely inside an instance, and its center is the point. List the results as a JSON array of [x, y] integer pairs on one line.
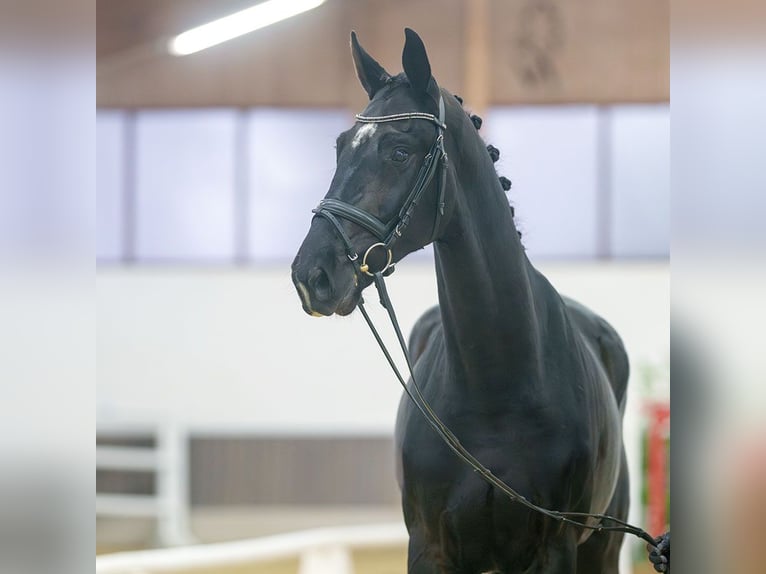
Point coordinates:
[[477, 122], [494, 154]]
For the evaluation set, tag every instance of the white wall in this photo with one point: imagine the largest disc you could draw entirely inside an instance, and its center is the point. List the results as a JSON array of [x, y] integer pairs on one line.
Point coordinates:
[[231, 348]]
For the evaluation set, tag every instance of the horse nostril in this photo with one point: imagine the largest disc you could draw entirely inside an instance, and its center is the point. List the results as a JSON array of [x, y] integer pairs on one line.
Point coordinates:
[[319, 283]]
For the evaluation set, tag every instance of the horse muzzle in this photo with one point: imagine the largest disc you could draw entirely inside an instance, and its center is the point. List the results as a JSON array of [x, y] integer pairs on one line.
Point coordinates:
[[325, 286]]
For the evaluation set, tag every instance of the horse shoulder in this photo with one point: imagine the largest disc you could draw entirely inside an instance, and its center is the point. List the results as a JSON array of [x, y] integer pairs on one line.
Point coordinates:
[[607, 344], [424, 328]]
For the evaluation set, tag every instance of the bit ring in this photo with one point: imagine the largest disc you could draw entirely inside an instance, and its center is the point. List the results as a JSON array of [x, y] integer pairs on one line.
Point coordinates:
[[365, 268]]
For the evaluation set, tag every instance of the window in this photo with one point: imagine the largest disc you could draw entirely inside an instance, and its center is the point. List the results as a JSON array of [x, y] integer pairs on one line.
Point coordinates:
[[291, 161], [184, 185], [110, 184], [640, 181], [225, 185], [550, 155]]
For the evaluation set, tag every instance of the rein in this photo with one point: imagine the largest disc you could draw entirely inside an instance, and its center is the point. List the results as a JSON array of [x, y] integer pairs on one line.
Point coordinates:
[[454, 443], [387, 234]]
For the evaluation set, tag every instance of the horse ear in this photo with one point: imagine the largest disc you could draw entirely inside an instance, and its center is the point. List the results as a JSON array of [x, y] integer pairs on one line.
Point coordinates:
[[416, 65], [370, 73]]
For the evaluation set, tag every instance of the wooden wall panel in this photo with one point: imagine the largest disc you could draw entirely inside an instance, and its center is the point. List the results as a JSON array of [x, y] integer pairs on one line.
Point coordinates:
[[553, 51], [293, 471], [304, 61], [297, 62], [273, 470], [537, 51], [380, 26]]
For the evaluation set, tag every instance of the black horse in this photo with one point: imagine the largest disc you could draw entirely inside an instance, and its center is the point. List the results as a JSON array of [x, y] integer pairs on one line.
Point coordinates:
[[531, 383]]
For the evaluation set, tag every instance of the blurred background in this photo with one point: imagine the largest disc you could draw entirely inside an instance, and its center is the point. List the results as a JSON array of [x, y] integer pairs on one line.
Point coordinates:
[[226, 413]]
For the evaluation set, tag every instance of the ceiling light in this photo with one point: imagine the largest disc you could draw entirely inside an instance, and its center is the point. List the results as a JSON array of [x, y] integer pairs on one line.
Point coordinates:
[[237, 24]]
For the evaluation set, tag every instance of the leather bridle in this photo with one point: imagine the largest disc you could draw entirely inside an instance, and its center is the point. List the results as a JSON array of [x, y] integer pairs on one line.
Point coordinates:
[[389, 232]]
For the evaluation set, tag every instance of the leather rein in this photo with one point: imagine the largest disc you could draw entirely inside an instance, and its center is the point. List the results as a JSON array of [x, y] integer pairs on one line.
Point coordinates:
[[387, 233]]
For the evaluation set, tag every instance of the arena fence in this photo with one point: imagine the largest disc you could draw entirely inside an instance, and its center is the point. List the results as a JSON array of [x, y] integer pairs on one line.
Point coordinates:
[[319, 551]]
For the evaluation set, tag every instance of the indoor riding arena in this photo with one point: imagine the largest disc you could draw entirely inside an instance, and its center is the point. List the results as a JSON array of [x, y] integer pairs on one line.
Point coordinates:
[[507, 160]]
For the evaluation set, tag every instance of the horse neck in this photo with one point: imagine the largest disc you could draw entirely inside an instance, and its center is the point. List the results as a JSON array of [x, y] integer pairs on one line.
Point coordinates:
[[486, 284]]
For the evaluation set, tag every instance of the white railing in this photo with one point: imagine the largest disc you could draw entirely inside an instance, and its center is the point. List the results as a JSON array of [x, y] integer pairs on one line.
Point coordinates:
[[320, 551], [167, 460]]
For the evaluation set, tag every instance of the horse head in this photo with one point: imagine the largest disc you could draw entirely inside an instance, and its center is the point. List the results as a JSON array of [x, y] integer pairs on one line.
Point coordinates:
[[390, 161]]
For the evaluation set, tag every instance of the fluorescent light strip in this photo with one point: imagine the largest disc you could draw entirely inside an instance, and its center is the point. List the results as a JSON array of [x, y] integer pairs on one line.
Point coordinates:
[[237, 24]]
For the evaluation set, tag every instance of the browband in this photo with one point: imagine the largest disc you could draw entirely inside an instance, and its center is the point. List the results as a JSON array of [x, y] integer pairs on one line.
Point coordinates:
[[398, 117]]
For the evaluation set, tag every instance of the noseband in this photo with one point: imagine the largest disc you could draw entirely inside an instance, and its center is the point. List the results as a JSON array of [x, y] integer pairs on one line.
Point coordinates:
[[388, 232]]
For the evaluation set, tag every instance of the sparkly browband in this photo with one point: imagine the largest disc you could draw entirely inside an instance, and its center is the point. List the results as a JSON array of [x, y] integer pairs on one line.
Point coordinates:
[[398, 117]]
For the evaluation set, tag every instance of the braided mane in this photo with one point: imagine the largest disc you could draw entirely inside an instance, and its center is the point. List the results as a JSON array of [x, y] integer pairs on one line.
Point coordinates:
[[494, 153]]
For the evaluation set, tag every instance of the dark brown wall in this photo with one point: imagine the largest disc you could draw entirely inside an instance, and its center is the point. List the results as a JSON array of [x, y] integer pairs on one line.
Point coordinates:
[[552, 51], [293, 471], [273, 470], [508, 52]]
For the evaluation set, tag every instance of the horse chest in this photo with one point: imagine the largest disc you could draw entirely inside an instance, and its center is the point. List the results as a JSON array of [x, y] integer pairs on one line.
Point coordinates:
[[537, 448], [458, 515], [438, 485]]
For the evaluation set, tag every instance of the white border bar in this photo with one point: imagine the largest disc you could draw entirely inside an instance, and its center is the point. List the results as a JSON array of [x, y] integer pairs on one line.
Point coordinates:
[[253, 551]]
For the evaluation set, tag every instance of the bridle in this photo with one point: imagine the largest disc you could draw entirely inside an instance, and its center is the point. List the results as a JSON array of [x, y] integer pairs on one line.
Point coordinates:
[[387, 233]]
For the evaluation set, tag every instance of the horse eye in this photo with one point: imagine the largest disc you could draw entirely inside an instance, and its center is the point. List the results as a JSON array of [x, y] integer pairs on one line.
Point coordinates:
[[400, 155]]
